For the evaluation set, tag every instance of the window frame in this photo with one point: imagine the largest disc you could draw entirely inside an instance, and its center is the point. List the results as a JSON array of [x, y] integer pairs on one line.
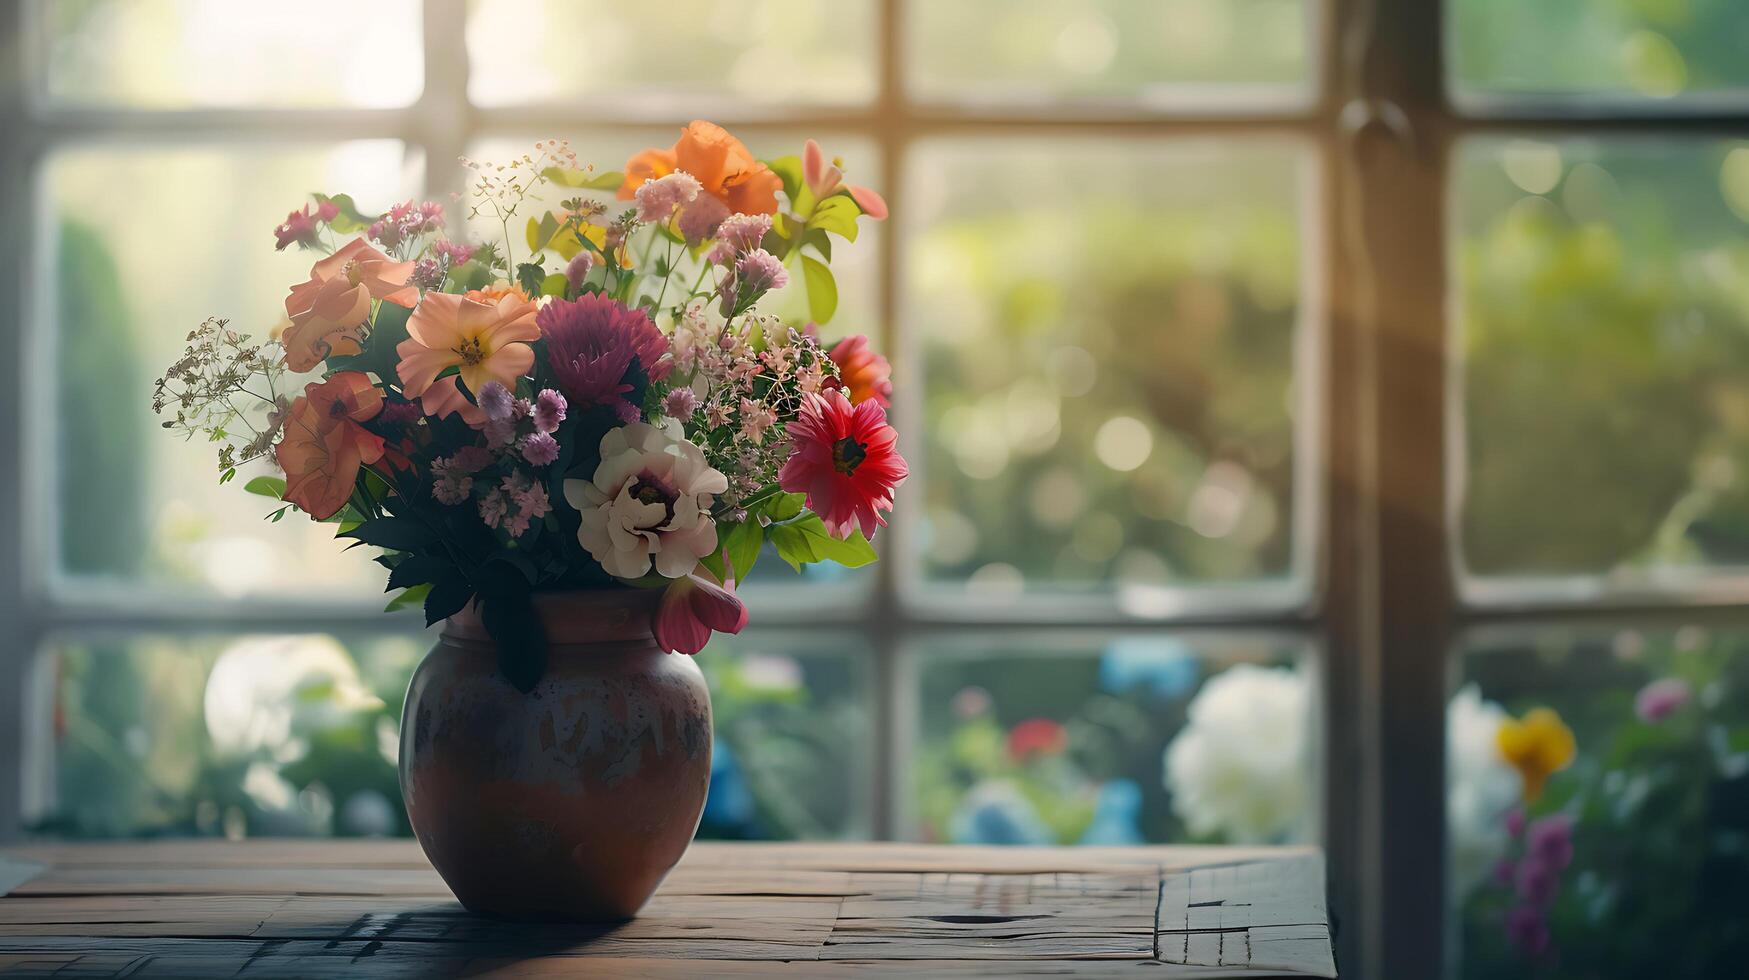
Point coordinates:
[[1375, 364]]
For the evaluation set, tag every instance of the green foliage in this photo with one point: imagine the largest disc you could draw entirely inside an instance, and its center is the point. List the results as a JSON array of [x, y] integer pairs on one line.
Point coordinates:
[[267, 486], [607, 180], [804, 540], [836, 214], [822, 289], [350, 220]]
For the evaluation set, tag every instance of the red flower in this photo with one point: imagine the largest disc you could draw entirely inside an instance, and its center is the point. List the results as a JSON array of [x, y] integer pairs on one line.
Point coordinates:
[[1037, 736], [691, 607], [591, 343], [866, 374], [845, 460]]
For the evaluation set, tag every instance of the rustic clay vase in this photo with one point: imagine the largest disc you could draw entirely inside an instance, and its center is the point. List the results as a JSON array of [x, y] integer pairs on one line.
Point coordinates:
[[570, 802]]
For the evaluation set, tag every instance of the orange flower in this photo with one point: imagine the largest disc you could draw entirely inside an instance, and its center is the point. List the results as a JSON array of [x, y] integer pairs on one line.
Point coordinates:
[[865, 373], [719, 161], [328, 312], [324, 444], [485, 337]]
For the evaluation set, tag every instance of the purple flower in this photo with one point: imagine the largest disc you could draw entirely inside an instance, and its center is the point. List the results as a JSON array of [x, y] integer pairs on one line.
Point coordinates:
[[1505, 872], [400, 413], [1528, 929], [592, 342], [452, 253], [500, 433], [496, 402], [680, 404], [1550, 840], [540, 448], [549, 410], [427, 274], [1538, 881], [1661, 699], [1515, 822], [762, 270]]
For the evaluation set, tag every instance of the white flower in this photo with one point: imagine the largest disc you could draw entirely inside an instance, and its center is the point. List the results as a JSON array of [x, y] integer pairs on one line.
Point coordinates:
[[1240, 766], [1480, 786], [650, 500]]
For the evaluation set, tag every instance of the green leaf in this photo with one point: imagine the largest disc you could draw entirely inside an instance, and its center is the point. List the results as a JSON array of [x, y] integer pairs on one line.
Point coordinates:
[[789, 170], [837, 214], [554, 285], [409, 597], [267, 486], [349, 219], [417, 570], [529, 275], [227, 476], [393, 533], [805, 541], [817, 238], [822, 289], [784, 506], [741, 542], [386, 331], [277, 515], [602, 180], [447, 597], [472, 274]]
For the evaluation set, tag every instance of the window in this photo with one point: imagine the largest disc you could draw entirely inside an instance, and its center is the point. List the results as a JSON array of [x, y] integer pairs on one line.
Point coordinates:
[[1336, 361]]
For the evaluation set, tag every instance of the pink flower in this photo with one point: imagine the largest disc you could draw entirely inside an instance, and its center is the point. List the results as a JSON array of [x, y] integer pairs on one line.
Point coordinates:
[[825, 180], [761, 270], [540, 448], [1661, 699], [846, 460], [578, 268], [485, 336], [452, 253], [700, 219], [494, 507], [526, 502], [658, 198], [692, 607], [680, 404], [428, 274], [1515, 822], [592, 342], [549, 410], [326, 211], [445, 397], [299, 228], [756, 417], [743, 232]]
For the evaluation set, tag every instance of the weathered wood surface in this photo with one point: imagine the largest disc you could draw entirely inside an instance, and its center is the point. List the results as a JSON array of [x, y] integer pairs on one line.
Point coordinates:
[[376, 909]]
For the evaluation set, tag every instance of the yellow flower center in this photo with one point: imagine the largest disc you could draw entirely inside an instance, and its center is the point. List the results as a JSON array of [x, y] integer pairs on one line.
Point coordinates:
[[353, 272]]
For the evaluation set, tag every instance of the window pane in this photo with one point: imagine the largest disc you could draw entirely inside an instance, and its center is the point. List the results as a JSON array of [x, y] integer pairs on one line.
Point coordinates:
[[677, 57], [1633, 849], [146, 242], [1637, 49], [1107, 332], [296, 735], [1604, 321], [174, 54], [1081, 739], [1172, 53]]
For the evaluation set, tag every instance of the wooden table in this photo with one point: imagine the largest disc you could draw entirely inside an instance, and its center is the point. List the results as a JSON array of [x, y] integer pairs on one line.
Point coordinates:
[[376, 909]]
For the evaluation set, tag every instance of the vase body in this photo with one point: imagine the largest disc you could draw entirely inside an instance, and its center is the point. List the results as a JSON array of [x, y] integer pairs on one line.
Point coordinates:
[[570, 802]]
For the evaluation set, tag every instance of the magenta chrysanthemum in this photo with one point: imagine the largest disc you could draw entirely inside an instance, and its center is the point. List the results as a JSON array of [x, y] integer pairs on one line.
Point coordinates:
[[496, 401], [592, 342], [540, 448]]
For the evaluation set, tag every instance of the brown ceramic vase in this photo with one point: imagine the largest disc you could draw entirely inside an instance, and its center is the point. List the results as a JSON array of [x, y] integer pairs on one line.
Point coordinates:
[[570, 802]]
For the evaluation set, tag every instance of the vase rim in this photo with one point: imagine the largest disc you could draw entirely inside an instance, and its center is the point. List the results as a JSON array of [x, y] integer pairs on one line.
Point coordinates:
[[575, 617]]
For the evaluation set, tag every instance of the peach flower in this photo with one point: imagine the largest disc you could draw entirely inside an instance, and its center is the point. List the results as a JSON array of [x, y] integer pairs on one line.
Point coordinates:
[[486, 336], [827, 179], [324, 444], [328, 313], [732, 179]]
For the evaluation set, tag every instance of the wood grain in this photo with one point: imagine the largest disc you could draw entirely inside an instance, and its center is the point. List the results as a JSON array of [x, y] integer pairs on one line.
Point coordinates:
[[375, 909]]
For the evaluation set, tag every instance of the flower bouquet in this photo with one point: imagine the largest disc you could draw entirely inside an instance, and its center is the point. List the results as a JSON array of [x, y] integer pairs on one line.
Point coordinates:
[[595, 403], [569, 444]]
